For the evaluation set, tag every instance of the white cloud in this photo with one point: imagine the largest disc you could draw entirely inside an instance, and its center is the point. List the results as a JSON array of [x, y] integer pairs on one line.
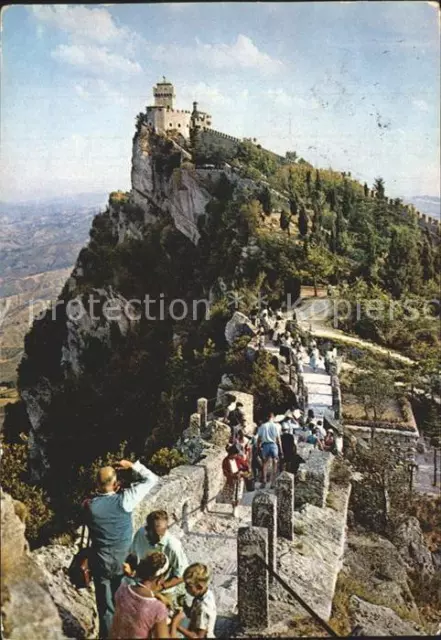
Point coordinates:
[[205, 94], [99, 91], [243, 53], [95, 59], [421, 105], [279, 97], [82, 92], [81, 22]]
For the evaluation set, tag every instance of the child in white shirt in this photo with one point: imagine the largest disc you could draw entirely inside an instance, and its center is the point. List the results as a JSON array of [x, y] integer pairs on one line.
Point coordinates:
[[202, 613]]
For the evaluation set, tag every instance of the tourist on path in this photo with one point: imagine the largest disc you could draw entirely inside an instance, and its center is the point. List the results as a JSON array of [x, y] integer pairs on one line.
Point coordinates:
[[314, 439], [108, 517], [138, 612], [242, 442], [288, 447], [329, 443], [256, 460], [270, 445], [236, 419], [232, 469], [155, 536], [202, 613], [314, 359]]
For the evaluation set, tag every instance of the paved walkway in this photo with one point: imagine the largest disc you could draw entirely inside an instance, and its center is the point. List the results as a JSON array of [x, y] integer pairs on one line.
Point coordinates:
[[318, 383], [313, 315]]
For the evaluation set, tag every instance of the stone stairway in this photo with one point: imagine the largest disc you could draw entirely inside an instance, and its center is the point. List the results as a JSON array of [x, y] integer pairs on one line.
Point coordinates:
[[318, 384]]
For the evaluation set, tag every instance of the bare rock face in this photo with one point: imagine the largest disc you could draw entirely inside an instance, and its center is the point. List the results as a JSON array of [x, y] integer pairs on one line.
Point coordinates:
[[238, 326], [409, 541], [77, 609], [159, 184], [26, 606], [374, 563], [377, 620]]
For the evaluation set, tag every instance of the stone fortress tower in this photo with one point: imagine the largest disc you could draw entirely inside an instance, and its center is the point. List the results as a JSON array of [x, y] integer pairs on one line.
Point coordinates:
[[163, 117]]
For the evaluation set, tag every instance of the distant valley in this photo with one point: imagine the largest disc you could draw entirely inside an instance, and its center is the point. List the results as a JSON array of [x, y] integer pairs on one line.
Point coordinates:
[[39, 243]]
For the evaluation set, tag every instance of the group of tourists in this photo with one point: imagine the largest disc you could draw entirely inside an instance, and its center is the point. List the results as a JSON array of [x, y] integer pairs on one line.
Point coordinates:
[[273, 326], [144, 584], [258, 458]]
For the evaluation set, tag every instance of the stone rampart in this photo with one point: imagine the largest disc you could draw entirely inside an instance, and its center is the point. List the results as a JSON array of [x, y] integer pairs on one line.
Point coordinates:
[[185, 492], [313, 483]]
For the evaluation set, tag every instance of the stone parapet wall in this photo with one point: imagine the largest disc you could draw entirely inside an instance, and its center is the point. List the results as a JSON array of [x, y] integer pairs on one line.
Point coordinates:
[[185, 492], [389, 437], [313, 483]]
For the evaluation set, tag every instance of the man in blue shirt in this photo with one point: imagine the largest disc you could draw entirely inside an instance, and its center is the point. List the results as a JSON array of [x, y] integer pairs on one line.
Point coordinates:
[[155, 536], [268, 437], [108, 516]]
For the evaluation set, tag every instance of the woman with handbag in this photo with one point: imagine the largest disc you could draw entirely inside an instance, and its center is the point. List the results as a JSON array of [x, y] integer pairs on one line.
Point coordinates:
[[233, 488]]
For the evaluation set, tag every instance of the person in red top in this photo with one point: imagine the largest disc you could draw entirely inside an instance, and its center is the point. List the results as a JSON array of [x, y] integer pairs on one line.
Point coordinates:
[[233, 468], [243, 445], [138, 611]]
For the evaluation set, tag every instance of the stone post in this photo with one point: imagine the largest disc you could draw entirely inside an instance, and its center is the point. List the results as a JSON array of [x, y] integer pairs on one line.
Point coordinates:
[[202, 411], [293, 378], [195, 424], [285, 505], [336, 401], [252, 578], [264, 514]]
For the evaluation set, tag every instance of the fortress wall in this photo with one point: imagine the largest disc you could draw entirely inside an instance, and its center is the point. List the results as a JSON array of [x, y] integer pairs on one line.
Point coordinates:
[[219, 140], [185, 491]]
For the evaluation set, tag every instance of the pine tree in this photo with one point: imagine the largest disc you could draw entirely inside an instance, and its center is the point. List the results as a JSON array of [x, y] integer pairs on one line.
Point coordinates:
[[339, 230], [308, 181], [402, 267], [366, 190], [318, 181], [379, 188], [427, 257], [303, 221], [333, 239], [285, 219], [265, 200]]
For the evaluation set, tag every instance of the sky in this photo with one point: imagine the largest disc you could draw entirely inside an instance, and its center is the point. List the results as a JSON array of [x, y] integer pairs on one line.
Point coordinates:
[[350, 85]]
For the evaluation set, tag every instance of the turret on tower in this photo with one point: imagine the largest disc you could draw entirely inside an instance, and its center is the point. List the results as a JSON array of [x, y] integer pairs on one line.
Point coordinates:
[[164, 94]]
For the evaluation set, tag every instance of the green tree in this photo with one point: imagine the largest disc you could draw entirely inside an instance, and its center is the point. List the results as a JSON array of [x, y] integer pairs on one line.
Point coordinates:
[[285, 220], [366, 190], [318, 181], [308, 181], [303, 221], [375, 389], [402, 267], [291, 156], [379, 188], [265, 199], [318, 265], [426, 257]]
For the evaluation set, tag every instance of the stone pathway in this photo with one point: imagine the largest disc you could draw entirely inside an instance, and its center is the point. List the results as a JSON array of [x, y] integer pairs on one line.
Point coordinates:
[[312, 315], [318, 383], [212, 540]]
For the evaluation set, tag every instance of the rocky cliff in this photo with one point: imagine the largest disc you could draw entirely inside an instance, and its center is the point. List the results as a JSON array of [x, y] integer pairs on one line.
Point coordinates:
[[86, 379], [26, 606]]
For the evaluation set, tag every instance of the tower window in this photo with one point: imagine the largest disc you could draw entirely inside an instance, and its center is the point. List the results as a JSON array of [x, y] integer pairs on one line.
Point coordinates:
[[179, 125]]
